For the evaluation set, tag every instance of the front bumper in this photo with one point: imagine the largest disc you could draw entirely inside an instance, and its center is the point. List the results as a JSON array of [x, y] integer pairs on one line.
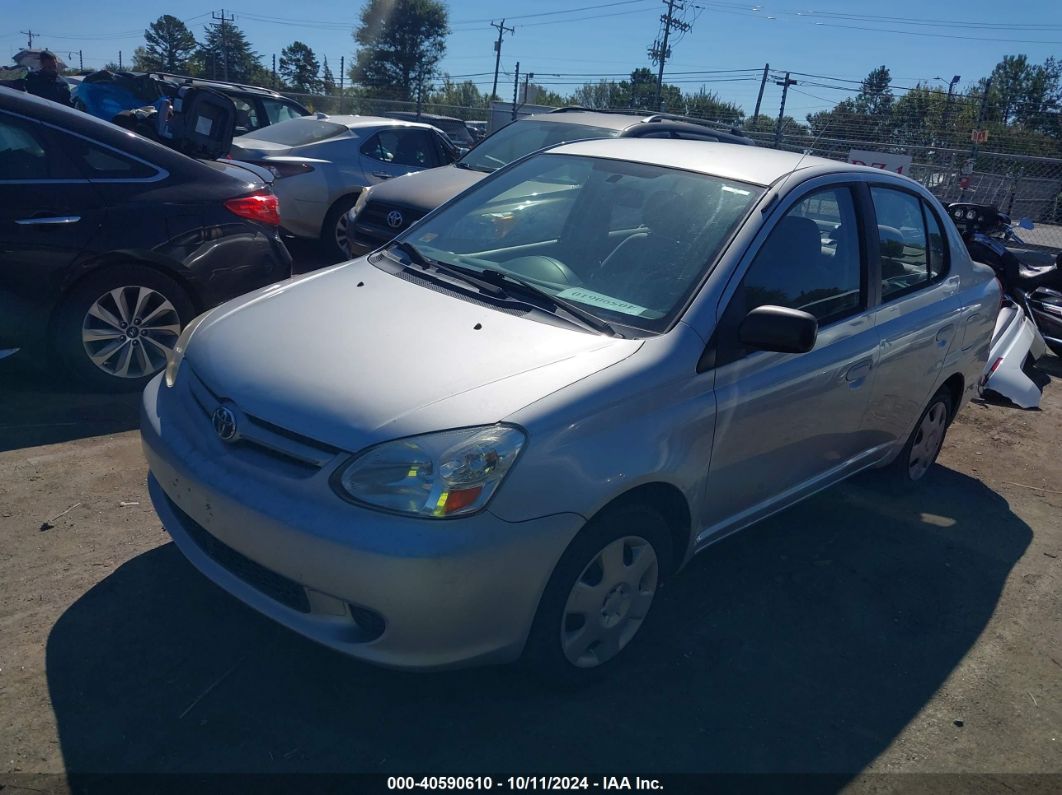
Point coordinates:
[[395, 591]]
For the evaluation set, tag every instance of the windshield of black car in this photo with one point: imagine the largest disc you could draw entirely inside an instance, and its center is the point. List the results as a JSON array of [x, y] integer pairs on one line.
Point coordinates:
[[297, 132], [629, 242], [525, 136]]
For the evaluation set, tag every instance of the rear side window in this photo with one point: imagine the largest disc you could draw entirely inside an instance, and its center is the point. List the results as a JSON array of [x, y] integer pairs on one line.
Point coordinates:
[[402, 147], [98, 162], [911, 242], [246, 116], [22, 155]]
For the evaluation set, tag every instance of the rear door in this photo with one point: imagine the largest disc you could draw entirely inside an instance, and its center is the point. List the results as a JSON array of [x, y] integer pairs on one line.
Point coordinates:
[[919, 315], [399, 150], [49, 214]]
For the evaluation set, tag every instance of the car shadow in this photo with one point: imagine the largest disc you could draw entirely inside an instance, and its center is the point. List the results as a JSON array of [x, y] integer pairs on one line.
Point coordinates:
[[806, 643], [39, 408]]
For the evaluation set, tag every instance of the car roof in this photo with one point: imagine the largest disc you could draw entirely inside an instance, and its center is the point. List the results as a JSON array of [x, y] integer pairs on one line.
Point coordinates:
[[637, 121], [746, 164]]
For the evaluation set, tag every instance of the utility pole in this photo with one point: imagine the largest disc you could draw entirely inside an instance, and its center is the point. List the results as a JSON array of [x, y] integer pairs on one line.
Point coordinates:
[[527, 82], [81, 61], [497, 53], [947, 106], [781, 109], [120, 67], [659, 52], [29, 34], [981, 115], [759, 97], [224, 41], [342, 75], [516, 88], [274, 83]]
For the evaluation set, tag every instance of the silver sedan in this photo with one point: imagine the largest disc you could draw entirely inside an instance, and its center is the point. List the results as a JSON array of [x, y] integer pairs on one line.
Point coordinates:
[[499, 434], [322, 163]]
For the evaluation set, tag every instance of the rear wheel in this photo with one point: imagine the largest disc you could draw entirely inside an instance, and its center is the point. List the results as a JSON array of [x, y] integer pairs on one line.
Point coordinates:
[[116, 328], [923, 445], [334, 230], [600, 594]]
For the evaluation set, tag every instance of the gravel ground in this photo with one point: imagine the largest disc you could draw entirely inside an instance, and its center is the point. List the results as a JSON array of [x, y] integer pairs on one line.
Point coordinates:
[[853, 634]]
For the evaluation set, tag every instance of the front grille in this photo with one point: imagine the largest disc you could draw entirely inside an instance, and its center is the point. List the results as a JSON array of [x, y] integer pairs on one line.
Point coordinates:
[[375, 214], [276, 586], [259, 439]]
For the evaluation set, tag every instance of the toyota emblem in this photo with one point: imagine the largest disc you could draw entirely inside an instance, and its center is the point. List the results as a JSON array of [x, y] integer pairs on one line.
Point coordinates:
[[224, 420], [394, 219]]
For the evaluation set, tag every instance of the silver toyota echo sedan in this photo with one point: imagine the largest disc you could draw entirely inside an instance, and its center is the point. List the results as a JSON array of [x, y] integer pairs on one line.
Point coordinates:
[[496, 436]]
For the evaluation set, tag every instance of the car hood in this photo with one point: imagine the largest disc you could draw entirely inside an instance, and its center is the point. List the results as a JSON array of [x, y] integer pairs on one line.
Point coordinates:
[[353, 355], [426, 190]]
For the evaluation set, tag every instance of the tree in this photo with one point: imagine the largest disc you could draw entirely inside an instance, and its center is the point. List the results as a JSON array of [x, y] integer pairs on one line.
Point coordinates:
[[226, 49], [299, 68], [452, 99], [169, 46], [400, 45], [328, 80], [707, 105], [597, 95]]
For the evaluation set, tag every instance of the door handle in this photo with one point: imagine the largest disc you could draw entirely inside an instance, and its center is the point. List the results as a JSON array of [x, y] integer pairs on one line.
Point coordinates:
[[382, 175], [857, 373], [49, 220]]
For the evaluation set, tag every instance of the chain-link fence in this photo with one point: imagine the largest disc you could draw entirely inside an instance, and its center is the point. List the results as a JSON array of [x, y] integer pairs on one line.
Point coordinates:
[[995, 172]]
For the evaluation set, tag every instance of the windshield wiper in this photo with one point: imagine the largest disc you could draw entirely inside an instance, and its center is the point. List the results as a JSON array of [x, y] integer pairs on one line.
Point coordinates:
[[503, 279], [469, 167], [426, 263]]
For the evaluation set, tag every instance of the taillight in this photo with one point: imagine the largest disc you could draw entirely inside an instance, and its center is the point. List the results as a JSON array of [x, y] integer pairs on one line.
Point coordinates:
[[262, 207]]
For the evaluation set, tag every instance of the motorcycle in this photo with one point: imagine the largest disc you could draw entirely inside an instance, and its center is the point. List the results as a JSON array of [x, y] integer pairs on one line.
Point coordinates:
[[1030, 317]]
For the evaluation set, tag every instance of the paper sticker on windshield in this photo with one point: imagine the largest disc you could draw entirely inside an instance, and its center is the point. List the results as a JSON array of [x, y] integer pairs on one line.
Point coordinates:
[[203, 125], [604, 301]]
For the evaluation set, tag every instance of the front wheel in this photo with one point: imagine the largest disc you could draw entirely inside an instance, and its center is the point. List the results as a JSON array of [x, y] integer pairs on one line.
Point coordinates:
[[600, 594]]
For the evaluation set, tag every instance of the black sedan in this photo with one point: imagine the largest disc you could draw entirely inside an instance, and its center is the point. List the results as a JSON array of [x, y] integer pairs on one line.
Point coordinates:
[[110, 243]]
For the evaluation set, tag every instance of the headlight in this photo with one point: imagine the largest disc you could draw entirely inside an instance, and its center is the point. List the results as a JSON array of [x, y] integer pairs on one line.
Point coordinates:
[[359, 205], [176, 356], [444, 474]]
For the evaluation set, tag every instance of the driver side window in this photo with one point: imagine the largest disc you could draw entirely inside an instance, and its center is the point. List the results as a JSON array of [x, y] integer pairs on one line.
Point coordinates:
[[811, 259]]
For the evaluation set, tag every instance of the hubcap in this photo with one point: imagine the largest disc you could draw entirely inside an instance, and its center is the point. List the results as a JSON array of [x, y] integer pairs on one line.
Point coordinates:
[[609, 601], [928, 439], [129, 331], [341, 235]]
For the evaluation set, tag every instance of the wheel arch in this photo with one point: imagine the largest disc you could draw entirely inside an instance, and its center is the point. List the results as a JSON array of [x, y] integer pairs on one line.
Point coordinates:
[[955, 384], [669, 501], [116, 259]]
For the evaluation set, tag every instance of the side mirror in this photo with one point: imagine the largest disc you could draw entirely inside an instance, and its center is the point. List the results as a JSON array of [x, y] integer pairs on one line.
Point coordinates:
[[780, 329]]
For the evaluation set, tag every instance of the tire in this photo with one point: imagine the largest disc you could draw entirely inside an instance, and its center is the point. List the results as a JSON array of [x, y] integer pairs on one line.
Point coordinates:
[[923, 445], [634, 538], [334, 229], [88, 323]]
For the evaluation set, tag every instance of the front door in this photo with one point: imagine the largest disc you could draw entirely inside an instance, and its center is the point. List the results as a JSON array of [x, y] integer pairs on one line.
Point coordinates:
[[788, 423]]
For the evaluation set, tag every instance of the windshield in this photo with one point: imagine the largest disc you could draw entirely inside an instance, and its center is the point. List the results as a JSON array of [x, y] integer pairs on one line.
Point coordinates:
[[525, 136], [297, 132], [629, 242]]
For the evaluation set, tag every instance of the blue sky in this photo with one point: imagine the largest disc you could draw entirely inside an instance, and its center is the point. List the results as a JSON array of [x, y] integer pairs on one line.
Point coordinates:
[[568, 48]]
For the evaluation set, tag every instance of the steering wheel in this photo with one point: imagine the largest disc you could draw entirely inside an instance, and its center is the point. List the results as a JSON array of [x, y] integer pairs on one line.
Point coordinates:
[[543, 269]]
